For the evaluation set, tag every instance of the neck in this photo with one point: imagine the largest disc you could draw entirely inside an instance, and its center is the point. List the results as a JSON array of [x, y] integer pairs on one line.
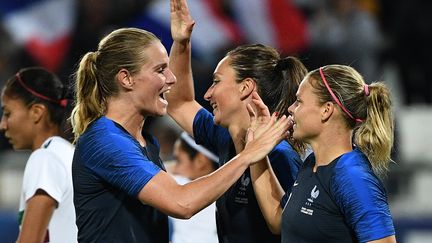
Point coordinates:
[[238, 129], [331, 144], [43, 135], [127, 116]]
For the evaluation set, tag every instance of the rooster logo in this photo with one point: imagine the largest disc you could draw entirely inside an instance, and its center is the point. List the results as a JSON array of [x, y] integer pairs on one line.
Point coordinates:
[[314, 194]]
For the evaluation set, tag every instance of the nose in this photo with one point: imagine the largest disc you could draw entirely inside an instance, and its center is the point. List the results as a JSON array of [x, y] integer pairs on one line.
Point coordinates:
[[3, 126], [291, 108], [208, 93], [171, 78]]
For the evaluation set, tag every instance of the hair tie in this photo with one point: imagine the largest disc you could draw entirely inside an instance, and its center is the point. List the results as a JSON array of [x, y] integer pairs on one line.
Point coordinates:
[[335, 97], [366, 89], [282, 64]]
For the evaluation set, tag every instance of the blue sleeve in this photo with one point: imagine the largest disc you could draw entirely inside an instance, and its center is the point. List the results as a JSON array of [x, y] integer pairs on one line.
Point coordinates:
[[208, 134], [362, 199], [117, 160], [285, 163]]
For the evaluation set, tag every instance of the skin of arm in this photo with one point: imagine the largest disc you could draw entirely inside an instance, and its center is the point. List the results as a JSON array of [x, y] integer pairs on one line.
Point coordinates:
[[183, 201], [37, 216], [268, 192], [181, 98], [390, 239], [267, 188]]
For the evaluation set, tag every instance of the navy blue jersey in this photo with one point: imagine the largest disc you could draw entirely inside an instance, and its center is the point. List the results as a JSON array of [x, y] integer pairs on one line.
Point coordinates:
[[109, 169], [341, 202], [239, 218]]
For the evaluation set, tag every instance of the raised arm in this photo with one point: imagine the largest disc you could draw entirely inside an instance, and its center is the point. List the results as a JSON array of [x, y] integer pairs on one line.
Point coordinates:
[[183, 201], [266, 186], [182, 106]]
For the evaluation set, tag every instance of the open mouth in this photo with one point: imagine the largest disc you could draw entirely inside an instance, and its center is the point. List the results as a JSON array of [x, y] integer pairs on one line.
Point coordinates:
[[162, 96], [213, 105]]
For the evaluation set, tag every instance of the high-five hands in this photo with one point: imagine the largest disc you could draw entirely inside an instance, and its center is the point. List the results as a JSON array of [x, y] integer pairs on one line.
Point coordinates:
[[265, 131], [181, 21]]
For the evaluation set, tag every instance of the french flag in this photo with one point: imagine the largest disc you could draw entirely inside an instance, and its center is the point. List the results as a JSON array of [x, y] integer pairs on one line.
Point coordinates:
[[213, 29], [42, 27], [278, 23]]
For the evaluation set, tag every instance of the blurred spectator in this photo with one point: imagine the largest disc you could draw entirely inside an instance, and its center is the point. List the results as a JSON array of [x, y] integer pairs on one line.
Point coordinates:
[[191, 162], [408, 25], [343, 33]]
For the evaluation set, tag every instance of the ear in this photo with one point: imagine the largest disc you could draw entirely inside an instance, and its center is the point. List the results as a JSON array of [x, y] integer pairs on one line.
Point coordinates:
[[247, 86], [37, 111], [200, 162], [327, 110], [125, 79]]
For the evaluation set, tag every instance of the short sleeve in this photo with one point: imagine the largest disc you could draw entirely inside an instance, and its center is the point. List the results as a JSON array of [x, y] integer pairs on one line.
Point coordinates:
[[116, 159], [363, 201], [45, 171], [208, 134], [285, 163]]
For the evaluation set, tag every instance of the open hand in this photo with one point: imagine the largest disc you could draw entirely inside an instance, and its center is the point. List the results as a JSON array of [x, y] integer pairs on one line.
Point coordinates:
[[181, 21], [265, 131]]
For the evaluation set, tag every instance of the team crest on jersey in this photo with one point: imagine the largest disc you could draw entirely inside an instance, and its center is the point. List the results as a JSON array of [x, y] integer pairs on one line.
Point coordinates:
[[308, 204]]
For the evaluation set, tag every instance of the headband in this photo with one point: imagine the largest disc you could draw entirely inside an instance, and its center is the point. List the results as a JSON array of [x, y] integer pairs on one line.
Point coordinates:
[[191, 142], [336, 99], [61, 102]]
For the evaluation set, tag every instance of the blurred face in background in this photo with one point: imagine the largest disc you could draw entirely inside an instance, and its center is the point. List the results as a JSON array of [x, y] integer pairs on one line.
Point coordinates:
[[16, 123], [183, 165]]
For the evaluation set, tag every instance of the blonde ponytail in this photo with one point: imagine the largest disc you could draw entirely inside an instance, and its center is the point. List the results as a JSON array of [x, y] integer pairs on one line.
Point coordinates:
[[375, 136]]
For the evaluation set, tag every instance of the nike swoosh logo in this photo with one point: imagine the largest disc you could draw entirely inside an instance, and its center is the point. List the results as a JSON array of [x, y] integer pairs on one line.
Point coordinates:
[[295, 183]]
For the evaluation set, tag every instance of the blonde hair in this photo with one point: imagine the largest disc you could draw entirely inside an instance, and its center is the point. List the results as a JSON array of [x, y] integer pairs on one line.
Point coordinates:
[[95, 77], [371, 104]]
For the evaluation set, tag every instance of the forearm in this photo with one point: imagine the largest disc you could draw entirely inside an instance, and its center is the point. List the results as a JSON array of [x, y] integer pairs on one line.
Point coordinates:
[[183, 201], [205, 190], [180, 65], [268, 193]]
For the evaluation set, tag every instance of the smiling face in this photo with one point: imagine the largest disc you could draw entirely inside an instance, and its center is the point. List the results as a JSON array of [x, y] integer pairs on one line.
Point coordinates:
[[306, 113], [224, 94], [153, 80], [16, 123]]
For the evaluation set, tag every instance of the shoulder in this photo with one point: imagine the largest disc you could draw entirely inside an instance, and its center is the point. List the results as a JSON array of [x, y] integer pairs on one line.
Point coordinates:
[[284, 151], [353, 163]]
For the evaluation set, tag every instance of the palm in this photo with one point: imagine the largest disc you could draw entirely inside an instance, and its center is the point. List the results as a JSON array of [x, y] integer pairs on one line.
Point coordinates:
[[181, 21]]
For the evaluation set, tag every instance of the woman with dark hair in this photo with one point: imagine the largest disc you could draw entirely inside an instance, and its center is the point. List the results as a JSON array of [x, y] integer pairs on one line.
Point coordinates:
[[242, 71], [35, 108]]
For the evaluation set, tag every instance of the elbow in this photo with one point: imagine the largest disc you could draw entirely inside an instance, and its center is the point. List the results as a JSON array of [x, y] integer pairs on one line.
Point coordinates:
[[275, 229], [183, 211]]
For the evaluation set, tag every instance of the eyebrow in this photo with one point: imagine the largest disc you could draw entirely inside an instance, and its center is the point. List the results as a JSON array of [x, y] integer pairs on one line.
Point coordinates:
[[161, 65]]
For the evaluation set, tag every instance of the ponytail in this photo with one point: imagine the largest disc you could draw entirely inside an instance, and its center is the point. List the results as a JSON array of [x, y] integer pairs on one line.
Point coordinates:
[[90, 101], [290, 71], [374, 136]]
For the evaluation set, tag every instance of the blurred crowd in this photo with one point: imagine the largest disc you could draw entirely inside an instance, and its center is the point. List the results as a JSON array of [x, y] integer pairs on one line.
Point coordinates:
[[370, 35]]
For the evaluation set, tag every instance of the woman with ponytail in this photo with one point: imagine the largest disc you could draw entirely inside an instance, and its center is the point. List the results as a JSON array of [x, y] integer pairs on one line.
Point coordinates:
[[35, 107], [338, 195], [122, 192], [242, 71]]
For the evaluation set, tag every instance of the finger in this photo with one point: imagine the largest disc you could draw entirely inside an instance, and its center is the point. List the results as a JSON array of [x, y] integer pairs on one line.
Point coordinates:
[[261, 107]]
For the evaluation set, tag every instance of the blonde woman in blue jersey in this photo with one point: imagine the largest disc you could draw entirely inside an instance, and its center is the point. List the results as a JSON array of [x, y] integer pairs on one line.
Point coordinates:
[[338, 196]]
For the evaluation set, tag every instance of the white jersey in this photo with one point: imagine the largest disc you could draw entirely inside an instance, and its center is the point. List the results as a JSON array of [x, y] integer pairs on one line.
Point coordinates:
[[50, 168], [199, 228]]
